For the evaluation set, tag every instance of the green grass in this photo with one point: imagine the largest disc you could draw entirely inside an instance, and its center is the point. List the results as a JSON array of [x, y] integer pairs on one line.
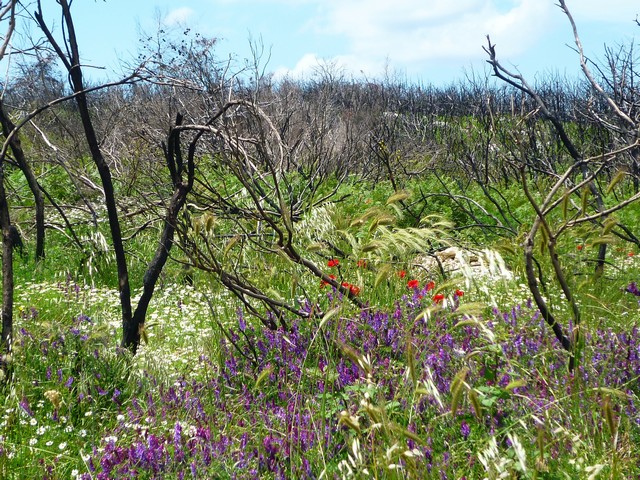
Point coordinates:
[[471, 386]]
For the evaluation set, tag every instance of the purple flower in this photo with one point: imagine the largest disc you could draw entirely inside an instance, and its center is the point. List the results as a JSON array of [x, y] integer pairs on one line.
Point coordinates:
[[24, 404], [242, 324], [25, 333], [177, 434], [84, 318], [465, 430], [633, 288]]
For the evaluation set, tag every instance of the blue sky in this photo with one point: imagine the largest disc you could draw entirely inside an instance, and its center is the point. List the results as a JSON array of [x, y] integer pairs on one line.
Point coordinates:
[[430, 41]]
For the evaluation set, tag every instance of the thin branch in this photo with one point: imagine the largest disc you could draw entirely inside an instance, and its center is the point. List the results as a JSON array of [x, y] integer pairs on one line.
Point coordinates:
[[587, 73]]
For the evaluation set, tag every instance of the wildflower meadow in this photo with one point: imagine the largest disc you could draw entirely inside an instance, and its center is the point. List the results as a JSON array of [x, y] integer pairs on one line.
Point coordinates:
[[456, 378], [210, 271]]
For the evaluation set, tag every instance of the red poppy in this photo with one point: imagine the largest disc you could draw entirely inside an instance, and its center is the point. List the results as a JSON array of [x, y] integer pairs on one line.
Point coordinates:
[[630, 254], [362, 263], [459, 293], [438, 298], [402, 274], [334, 262], [355, 290], [579, 247], [431, 285], [413, 284], [324, 284]]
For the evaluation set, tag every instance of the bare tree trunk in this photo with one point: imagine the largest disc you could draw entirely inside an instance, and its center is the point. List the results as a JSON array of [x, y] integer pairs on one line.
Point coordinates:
[[132, 322], [18, 153], [130, 333], [6, 337], [178, 199], [518, 81], [590, 176], [7, 271]]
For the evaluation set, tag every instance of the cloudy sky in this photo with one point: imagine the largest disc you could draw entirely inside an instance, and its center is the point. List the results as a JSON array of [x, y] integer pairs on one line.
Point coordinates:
[[431, 41]]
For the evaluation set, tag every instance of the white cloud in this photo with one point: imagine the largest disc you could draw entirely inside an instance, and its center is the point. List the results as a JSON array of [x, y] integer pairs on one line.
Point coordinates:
[[414, 34], [311, 65], [295, 3], [415, 30], [368, 36], [178, 16], [304, 68], [609, 11]]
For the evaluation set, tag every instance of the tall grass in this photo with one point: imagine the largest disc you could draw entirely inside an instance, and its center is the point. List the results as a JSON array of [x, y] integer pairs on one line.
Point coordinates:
[[434, 378], [421, 390]]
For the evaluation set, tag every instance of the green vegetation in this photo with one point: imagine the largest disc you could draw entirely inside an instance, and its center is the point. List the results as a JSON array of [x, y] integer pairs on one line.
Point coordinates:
[[459, 378], [209, 274]]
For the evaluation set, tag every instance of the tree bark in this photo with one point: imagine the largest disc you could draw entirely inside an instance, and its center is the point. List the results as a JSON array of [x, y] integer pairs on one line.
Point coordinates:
[[18, 153], [178, 199], [131, 335], [7, 270]]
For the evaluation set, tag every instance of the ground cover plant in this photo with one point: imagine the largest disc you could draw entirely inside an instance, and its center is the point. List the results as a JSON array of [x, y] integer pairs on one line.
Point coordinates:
[[450, 379], [331, 278]]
